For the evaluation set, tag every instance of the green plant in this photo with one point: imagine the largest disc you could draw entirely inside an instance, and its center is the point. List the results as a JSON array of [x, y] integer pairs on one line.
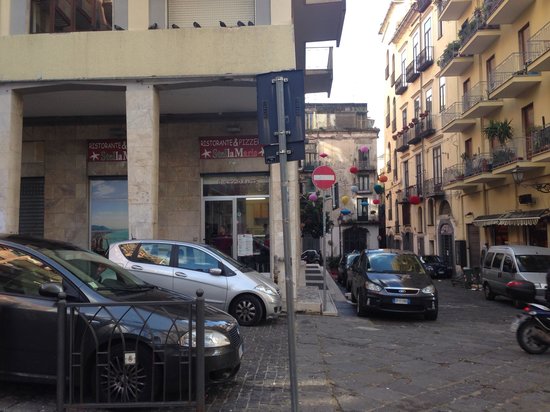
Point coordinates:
[[449, 53], [499, 130]]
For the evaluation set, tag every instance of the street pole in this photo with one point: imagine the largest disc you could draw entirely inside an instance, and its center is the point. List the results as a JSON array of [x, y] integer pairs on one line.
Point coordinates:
[[289, 285], [324, 257]]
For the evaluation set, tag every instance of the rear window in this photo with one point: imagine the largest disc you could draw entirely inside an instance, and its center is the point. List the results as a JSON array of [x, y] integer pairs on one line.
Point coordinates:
[[390, 263], [533, 263]]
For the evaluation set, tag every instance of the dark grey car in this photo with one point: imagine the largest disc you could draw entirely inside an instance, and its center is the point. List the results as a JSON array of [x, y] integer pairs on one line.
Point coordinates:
[[392, 281], [34, 271]]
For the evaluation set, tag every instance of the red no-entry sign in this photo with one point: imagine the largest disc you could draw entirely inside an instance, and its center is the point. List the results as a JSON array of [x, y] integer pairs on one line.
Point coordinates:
[[323, 177]]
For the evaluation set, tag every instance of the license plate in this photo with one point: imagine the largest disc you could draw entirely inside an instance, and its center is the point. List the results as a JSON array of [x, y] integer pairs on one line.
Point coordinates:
[[241, 351], [516, 322], [399, 301]]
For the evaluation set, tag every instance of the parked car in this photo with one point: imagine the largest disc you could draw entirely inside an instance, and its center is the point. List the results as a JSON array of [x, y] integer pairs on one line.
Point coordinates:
[[312, 256], [32, 274], [510, 263], [185, 266], [437, 266], [392, 281], [344, 266]]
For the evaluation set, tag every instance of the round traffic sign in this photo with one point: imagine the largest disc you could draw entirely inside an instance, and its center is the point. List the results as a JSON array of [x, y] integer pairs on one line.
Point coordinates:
[[323, 177]]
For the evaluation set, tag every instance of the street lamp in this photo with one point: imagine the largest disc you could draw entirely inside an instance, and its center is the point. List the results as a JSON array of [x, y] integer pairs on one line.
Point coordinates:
[[517, 175]]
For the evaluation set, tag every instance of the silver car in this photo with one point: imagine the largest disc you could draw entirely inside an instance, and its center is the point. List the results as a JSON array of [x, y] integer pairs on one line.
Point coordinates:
[[185, 267]]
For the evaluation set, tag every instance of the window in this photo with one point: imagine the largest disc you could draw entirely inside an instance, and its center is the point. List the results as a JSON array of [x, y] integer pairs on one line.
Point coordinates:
[[528, 119], [404, 67], [497, 260], [195, 259], [23, 274], [523, 37], [442, 95], [154, 253], [488, 260], [363, 183], [416, 47], [418, 161], [490, 70], [395, 174], [404, 117], [406, 174], [428, 105], [53, 16], [390, 208], [428, 35], [417, 108], [437, 167]]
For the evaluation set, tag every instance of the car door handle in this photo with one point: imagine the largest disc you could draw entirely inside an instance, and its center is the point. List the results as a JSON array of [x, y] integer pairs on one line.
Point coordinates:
[[136, 267], [181, 274]]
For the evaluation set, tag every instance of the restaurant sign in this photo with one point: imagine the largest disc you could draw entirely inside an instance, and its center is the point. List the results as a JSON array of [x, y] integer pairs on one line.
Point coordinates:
[[228, 147], [107, 151]]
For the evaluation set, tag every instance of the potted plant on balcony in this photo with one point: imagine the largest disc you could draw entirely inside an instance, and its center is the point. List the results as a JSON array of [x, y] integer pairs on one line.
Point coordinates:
[[499, 130], [450, 52]]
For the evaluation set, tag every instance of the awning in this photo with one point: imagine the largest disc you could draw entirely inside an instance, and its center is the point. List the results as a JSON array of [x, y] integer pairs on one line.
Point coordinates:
[[530, 217]]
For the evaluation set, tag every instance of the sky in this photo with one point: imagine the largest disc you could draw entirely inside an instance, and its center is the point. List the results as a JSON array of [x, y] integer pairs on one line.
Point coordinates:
[[359, 62]]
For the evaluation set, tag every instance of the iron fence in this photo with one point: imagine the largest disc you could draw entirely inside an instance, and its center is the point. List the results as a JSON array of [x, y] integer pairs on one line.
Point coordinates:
[[130, 354]]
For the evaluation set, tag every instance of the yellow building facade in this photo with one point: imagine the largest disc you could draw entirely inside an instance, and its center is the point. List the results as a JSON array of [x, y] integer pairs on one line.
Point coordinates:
[[467, 145]]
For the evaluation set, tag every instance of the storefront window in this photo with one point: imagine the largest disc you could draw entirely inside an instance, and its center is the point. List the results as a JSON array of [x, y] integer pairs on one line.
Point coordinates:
[[108, 213]]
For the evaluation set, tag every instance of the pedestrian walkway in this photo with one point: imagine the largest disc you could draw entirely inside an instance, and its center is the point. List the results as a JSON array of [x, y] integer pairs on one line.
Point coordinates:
[[311, 298]]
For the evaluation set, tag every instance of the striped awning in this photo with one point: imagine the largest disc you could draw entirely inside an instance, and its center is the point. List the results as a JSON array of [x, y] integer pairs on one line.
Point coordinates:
[[528, 218]]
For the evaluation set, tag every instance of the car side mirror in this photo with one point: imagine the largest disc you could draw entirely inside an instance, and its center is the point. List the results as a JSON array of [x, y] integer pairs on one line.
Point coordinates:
[[215, 271], [51, 289]]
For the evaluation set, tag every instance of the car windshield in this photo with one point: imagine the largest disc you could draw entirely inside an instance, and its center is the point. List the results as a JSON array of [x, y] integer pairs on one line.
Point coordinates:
[[394, 263], [99, 273], [533, 263]]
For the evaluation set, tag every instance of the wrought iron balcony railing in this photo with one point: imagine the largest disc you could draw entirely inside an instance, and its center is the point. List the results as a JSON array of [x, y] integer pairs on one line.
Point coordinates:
[[422, 5], [451, 113], [539, 43], [512, 151], [514, 65], [453, 174], [479, 163], [433, 187], [412, 73], [425, 58], [540, 141], [476, 94], [400, 85]]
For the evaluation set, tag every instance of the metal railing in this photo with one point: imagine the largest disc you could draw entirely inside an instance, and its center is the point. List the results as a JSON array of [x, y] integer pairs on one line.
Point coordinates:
[[425, 58], [540, 141], [127, 355], [319, 58], [475, 95], [451, 113], [514, 65], [477, 22], [422, 5], [479, 163], [400, 84], [490, 6], [512, 151], [411, 72], [366, 165], [539, 43], [453, 174], [433, 187]]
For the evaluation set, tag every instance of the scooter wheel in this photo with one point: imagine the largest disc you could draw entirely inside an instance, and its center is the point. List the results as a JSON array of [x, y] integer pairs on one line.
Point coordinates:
[[526, 337]]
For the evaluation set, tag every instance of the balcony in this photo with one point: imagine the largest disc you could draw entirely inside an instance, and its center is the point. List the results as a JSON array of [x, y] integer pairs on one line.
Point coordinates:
[[400, 85], [421, 128], [478, 169], [505, 11], [514, 152], [512, 77], [539, 47], [451, 10], [476, 35], [476, 103], [319, 71], [403, 140], [540, 145], [412, 73], [366, 166], [452, 121], [433, 187], [452, 63], [422, 5], [425, 59], [453, 178]]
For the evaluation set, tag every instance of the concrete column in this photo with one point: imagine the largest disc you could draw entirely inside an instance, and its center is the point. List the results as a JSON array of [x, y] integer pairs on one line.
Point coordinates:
[[142, 128], [11, 142], [276, 224]]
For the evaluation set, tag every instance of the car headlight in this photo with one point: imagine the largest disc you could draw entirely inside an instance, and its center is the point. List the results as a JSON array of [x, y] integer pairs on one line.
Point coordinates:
[[373, 287], [429, 289], [212, 339], [266, 290]]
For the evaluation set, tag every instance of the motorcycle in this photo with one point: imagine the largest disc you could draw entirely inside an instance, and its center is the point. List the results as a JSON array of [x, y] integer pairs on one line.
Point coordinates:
[[532, 328]]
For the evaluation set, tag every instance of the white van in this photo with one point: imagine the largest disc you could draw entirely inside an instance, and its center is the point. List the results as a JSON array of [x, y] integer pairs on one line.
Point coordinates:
[[504, 264]]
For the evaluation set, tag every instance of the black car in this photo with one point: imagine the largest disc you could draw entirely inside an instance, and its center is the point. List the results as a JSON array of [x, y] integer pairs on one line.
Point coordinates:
[[436, 266], [392, 281], [344, 266], [312, 256], [126, 346]]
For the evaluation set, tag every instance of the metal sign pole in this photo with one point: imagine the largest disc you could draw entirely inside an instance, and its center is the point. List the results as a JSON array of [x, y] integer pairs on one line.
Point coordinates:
[[324, 257], [279, 83]]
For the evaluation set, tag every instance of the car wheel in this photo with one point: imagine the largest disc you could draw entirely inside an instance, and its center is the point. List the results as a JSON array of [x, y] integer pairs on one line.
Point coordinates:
[[431, 315], [361, 309], [247, 309], [120, 381], [487, 292]]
